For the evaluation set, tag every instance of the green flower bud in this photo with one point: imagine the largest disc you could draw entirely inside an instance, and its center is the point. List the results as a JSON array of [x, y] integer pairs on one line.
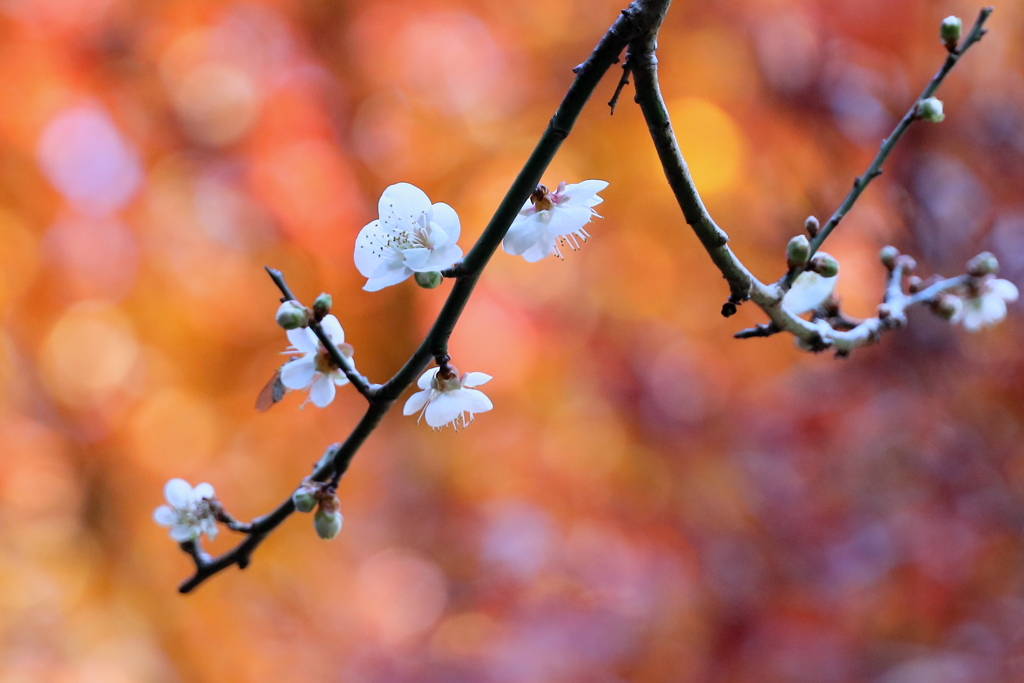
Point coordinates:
[[931, 110], [322, 306], [327, 523], [950, 31], [798, 251], [824, 265], [947, 306], [888, 256], [304, 499], [428, 280], [292, 315], [983, 264], [812, 226]]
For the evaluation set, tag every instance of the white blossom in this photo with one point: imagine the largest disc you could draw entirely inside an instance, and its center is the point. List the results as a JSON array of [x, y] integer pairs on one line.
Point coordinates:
[[314, 369], [443, 401], [549, 220], [986, 305], [189, 512], [411, 236], [809, 291]]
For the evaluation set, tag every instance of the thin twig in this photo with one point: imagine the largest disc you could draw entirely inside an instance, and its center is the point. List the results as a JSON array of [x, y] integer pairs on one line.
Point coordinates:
[[623, 82]]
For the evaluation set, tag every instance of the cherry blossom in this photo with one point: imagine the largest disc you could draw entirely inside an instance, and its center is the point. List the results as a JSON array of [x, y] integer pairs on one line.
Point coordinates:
[[411, 236], [314, 369], [550, 220], [985, 305], [190, 511], [443, 400]]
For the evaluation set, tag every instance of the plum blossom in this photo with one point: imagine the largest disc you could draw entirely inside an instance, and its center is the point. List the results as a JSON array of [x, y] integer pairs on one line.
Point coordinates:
[[411, 236], [552, 219], [190, 511], [809, 291], [314, 369], [444, 399], [985, 305]]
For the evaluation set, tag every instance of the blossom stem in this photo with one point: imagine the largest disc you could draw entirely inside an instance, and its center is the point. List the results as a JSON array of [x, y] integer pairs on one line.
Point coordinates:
[[361, 383], [875, 168]]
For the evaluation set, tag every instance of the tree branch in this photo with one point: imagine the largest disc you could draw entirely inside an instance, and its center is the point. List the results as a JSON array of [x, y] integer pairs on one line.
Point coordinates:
[[642, 17]]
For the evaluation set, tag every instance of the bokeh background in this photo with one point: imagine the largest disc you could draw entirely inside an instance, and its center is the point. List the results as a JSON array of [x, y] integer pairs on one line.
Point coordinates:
[[649, 500]]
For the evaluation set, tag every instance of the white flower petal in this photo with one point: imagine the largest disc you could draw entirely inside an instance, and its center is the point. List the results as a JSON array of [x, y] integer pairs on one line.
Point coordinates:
[[178, 493], [475, 379], [165, 516], [442, 257], [201, 491], [299, 373], [391, 277], [474, 401], [400, 206], [416, 402], [580, 193], [332, 328], [1004, 289], [446, 217], [322, 391], [424, 381], [809, 291], [416, 258], [539, 251], [369, 245], [443, 409], [184, 533], [524, 234], [568, 219], [303, 339]]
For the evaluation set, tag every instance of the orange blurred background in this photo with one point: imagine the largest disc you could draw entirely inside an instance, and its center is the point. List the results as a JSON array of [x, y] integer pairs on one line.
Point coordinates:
[[649, 500]]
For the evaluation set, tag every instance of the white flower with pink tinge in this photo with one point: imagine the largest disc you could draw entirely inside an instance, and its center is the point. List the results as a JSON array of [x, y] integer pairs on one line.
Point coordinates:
[[552, 219], [189, 512], [314, 369], [444, 400], [987, 306]]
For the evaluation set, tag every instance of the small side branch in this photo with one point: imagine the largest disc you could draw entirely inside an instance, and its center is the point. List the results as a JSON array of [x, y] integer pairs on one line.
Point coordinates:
[[623, 82], [361, 383]]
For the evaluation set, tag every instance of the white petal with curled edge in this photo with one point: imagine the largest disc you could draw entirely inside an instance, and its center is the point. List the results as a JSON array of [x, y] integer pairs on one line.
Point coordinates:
[[442, 410], [474, 401], [201, 491], [184, 533], [424, 381], [568, 219], [809, 291], [416, 258], [523, 234], [391, 277], [475, 379], [585, 192], [446, 217], [332, 328], [321, 393], [178, 493], [416, 402], [164, 516], [299, 373], [303, 339], [540, 250], [401, 205]]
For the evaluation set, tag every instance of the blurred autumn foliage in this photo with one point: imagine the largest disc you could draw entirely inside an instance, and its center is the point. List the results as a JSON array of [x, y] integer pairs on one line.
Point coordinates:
[[649, 500]]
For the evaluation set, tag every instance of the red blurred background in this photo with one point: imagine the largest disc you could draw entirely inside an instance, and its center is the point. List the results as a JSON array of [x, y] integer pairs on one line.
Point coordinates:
[[649, 500]]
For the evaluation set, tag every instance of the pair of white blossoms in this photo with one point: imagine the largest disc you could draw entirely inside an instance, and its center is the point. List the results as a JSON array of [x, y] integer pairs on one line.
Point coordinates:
[[414, 236], [982, 306]]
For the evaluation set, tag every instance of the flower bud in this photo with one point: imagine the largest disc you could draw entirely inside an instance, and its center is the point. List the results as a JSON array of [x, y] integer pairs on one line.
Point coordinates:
[[798, 251], [908, 263], [950, 31], [824, 265], [292, 315], [914, 284], [888, 256], [322, 306], [428, 280], [947, 306], [304, 499], [327, 523], [983, 264], [812, 226], [930, 110]]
